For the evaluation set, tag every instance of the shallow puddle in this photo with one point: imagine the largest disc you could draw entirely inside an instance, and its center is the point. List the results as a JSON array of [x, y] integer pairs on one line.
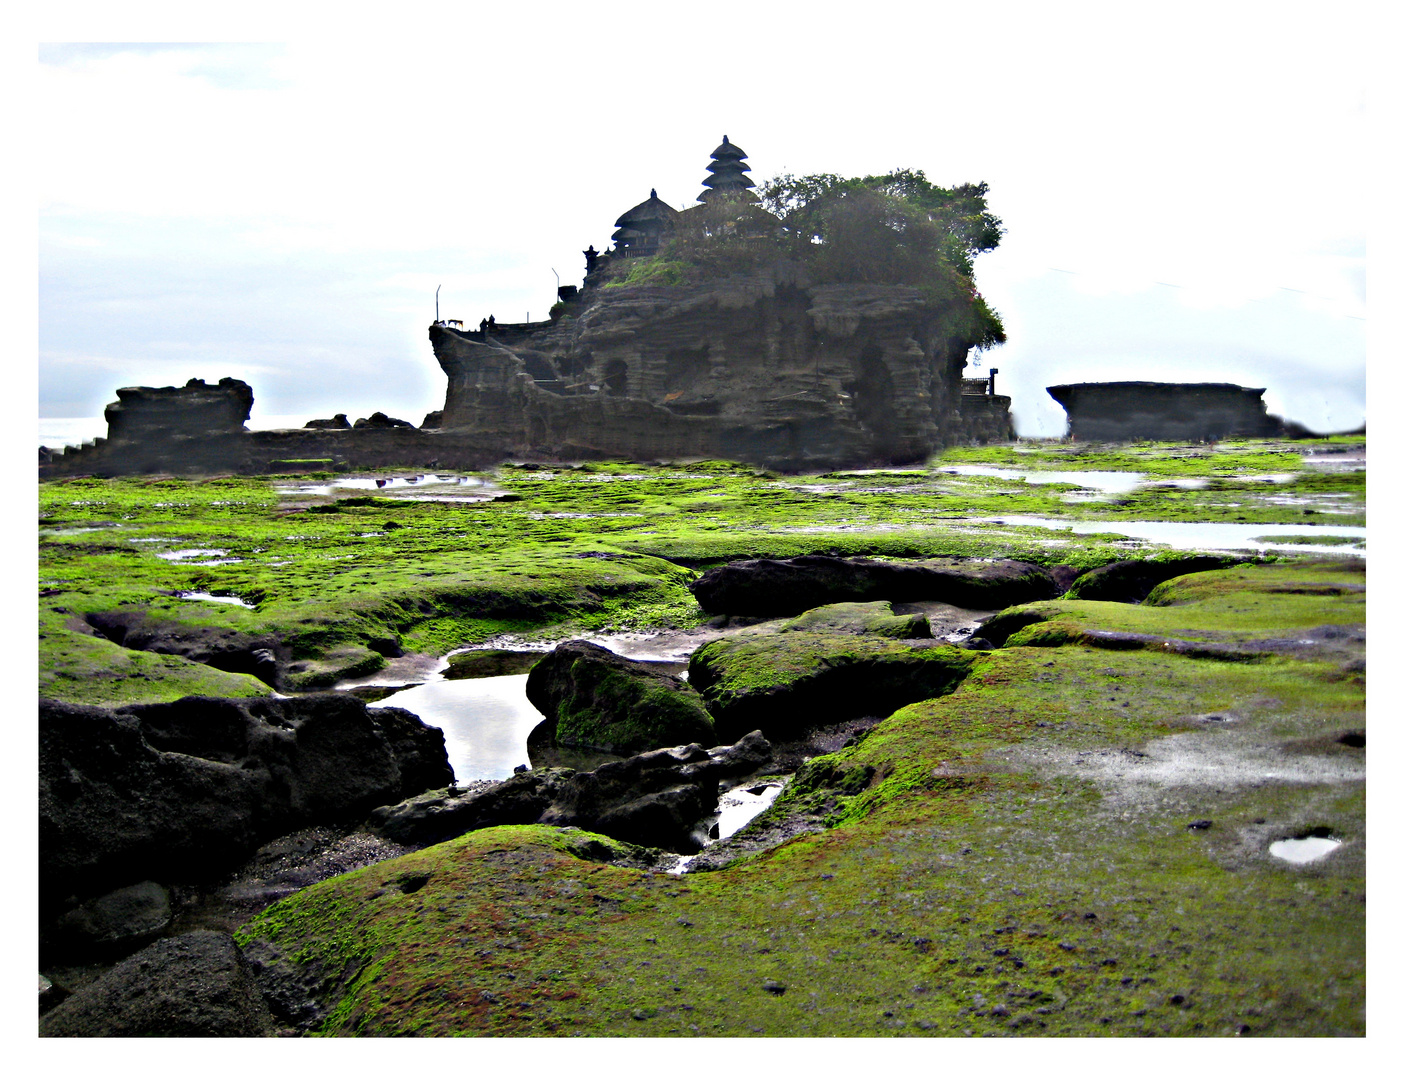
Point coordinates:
[[212, 598], [736, 808], [1110, 482], [485, 721], [197, 556], [1305, 849], [1196, 535], [430, 485]]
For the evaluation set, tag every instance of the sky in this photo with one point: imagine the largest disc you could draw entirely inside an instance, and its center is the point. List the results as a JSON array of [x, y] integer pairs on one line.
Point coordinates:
[[1184, 188]]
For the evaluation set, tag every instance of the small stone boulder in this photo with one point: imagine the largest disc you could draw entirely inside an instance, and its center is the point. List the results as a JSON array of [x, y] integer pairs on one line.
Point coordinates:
[[594, 698], [791, 586], [338, 422], [193, 986], [381, 420], [876, 617]]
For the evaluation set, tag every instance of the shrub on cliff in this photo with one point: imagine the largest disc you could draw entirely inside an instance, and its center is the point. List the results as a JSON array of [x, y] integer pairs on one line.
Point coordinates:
[[894, 229]]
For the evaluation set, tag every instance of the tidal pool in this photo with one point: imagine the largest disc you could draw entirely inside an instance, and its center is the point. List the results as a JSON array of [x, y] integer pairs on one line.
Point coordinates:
[[212, 598], [736, 807], [485, 721], [1305, 849], [397, 485], [1110, 482], [1198, 535]]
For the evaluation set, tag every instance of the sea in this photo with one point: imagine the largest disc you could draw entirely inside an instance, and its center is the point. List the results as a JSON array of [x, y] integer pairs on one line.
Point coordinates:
[[57, 431]]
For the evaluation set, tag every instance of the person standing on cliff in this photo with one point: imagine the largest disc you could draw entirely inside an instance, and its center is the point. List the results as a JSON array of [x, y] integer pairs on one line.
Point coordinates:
[[491, 322], [483, 325]]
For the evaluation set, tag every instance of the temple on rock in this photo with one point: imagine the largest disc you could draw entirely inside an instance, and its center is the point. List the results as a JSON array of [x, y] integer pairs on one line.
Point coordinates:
[[706, 332], [753, 357]]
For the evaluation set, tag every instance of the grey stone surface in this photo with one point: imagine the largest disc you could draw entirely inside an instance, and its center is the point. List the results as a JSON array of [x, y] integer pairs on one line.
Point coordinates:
[[193, 986]]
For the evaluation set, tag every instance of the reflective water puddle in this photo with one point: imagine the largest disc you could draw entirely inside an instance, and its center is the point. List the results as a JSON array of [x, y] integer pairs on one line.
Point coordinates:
[[1095, 480], [197, 556], [441, 485], [1199, 535], [1305, 849], [736, 807], [214, 599], [485, 721]]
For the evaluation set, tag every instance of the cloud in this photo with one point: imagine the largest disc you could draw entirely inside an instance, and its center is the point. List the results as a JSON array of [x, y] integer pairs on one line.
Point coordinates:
[[287, 210]]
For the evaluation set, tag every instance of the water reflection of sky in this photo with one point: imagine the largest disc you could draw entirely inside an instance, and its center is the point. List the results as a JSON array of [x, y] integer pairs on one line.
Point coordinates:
[[485, 721], [1202, 535], [1097, 481]]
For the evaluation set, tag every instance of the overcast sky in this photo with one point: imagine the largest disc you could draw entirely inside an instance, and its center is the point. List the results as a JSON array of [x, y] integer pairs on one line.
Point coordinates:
[[1183, 187]]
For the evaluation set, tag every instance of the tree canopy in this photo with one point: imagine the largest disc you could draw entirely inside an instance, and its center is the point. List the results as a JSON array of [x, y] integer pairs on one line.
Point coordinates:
[[896, 229]]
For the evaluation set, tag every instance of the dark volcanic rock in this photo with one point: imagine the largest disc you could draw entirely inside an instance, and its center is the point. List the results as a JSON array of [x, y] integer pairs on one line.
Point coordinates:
[[1165, 412], [600, 700], [791, 586], [1131, 580], [381, 420], [337, 423], [785, 684], [164, 412], [193, 986], [177, 790], [876, 617], [652, 799], [765, 367], [116, 923], [227, 650]]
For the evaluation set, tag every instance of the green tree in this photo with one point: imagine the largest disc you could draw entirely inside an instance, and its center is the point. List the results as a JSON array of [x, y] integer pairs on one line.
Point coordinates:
[[899, 228]]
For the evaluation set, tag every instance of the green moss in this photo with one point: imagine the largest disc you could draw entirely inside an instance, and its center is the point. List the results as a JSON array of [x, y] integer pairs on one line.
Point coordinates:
[[876, 618], [958, 877]]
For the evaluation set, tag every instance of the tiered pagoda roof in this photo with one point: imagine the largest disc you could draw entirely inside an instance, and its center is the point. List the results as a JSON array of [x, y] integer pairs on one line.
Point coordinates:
[[640, 228], [728, 174]]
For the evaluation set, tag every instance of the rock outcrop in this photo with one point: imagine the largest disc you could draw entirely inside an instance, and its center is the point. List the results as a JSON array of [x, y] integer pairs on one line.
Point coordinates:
[[784, 684], [1171, 412], [194, 986], [173, 791], [764, 367], [594, 698], [791, 586], [653, 799], [1129, 581], [193, 411]]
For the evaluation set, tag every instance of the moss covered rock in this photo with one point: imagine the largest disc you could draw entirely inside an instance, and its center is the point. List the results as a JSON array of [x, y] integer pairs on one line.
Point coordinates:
[[594, 698], [783, 684], [791, 586], [876, 618], [1129, 581]]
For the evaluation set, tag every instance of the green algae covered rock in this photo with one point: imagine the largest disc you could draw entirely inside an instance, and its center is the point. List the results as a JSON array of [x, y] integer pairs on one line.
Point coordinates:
[[1129, 581], [594, 698], [783, 684], [791, 586], [873, 618]]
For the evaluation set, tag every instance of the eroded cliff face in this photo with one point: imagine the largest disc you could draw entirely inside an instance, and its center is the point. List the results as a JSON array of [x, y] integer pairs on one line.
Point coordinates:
[[1164, 412], [765, 368]]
